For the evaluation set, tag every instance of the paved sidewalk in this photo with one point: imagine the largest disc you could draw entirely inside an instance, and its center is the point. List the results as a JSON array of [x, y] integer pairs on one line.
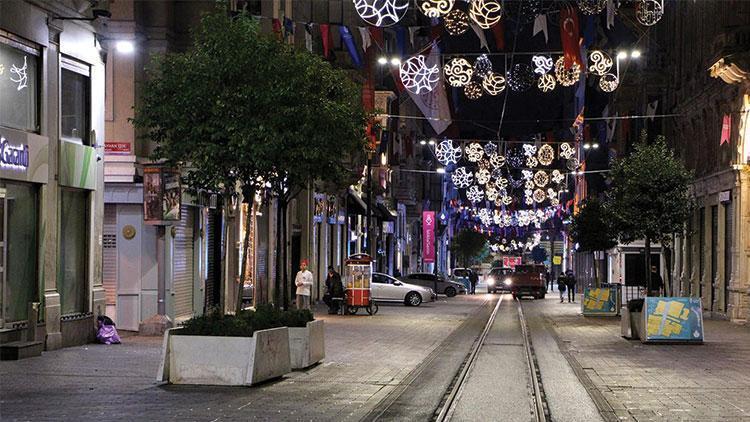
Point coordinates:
[[366, 357], [639, 382]]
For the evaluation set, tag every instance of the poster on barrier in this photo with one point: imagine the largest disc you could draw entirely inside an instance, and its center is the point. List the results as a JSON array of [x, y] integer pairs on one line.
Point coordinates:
[[600, 301], [673, 319]]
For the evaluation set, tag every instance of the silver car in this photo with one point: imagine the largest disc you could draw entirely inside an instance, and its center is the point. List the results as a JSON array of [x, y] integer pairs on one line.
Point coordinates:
[[388, 289], [435, 282]]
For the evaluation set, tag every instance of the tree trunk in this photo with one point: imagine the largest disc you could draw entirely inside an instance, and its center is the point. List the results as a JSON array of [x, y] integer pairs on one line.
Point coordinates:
[[667, 251], [245, 247], [596, 270], [647, 249], [277, 293], [284, 240]]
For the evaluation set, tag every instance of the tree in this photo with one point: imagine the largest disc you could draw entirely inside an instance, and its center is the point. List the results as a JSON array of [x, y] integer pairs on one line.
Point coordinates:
[[469, 246], [242, 110], [593, 229], [649, 198], [539, 254]]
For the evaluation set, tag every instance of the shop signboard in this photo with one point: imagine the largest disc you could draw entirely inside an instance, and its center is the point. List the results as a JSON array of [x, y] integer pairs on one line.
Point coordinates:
[[117, 148], [23, 156], [162, 195], [333, 209], [673, 319], [319, 209], [428, 236], [511, 261]]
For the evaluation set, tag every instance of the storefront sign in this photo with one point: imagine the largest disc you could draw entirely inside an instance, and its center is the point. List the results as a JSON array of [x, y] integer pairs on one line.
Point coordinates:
[[162, 195], [725, 196], [117, 148], [333, 209], [13, 157], [556, 260], [511, 261], [319, 208], [428, 236]]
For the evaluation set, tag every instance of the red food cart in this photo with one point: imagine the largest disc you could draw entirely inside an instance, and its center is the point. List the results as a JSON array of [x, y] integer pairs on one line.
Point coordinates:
[[358, 278]]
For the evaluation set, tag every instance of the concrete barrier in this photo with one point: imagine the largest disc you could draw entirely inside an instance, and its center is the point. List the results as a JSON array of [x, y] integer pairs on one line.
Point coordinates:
[[307, 344]]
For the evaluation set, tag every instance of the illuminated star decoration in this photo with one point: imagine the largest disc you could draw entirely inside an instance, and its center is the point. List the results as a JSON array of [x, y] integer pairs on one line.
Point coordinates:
[[21, 78], [494, 83], [435, 8], [462, 178], [417, 77], [649, 12], [381, 12], [447, 153], [486, 13], [600, 62], [456, 22], [567, 77], [458, 72], [474, 152]]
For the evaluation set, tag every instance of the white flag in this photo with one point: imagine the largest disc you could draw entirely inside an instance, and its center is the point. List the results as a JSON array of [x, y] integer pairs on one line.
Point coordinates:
[[611, 126], [651, 109], [610, 13], [366, 40], [412, 31], [434, 104], [480, 33], [540, 25]]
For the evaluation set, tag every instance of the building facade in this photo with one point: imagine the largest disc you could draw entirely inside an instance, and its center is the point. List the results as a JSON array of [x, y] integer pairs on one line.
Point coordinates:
[[52, 76]]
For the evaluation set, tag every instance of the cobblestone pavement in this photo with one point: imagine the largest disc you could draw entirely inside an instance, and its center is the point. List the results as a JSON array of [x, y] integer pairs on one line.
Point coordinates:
[[639, 382], [366, 357]]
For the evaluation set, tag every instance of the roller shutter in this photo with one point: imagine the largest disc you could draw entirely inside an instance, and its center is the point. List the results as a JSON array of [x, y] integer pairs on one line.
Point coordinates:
[[183, 264]]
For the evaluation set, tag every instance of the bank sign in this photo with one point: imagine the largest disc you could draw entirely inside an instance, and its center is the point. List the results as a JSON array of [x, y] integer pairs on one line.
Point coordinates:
[[13, 157]]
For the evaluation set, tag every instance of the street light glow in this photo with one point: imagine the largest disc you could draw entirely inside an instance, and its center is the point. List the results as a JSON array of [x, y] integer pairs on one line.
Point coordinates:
[[432, 142], [635, 54], [382, 60], [586, 145], [395, 61], [125, 46], [622, 55], [440, 170], [595, 145], [422, 142]]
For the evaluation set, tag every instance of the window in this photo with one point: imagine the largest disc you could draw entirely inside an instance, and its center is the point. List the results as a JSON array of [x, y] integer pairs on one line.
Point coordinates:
[[19, 90], [74, 101], [72, 278]]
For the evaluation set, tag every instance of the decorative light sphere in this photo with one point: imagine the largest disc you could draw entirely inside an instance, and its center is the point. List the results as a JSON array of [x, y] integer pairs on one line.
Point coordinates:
[[482, 176], [572, 163], [546, 83], [491, 193], [541, 179], [473, 90], [592, 7], [567, 77], [381, 12], [482, 66], [609, 82], [649, 12], [486, 13], [494, 83], [515, 158], [456, 22], [540, 195], [599, 62], [497, 160], [566, 151], [501, 183], [474, 152], [458, 72], [490, 149], [462, 178], [529, 150], [521, 77], [529, 185], [505, 200], [546, 155], [529, 10], [531, 162], [417, 77], [542, 64], [557, 176], [435, 8], [447, 153], [475, 194]]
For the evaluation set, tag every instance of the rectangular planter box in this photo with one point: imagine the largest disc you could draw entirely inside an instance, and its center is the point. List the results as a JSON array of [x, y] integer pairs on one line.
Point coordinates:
[[630, 324], [307, 344], [672, 320], [208, 360], [602, 301]]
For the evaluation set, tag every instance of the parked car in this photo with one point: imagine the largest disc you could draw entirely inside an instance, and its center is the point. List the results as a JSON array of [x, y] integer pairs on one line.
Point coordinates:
[[528, 280], [389, 289], [461, 275], [497, 280], [438, 284], [248, 291]]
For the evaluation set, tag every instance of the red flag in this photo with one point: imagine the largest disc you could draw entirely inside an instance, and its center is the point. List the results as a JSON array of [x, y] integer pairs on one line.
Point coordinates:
[[276, 27], [498, 31], [579, 120], [377, 35], [325, 34], [570, 36], [726, 129]]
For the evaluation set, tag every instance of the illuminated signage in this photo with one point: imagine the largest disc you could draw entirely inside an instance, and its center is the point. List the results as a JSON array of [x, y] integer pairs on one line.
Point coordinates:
[[13, 157]]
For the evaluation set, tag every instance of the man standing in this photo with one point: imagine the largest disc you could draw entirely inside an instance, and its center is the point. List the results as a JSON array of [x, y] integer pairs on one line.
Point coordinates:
[[334, 289], [656, 282], [570, 283], [304, 282], [473, 279]]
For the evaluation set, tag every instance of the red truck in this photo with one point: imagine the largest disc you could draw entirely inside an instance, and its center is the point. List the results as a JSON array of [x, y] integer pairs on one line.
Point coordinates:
[[528, 280]]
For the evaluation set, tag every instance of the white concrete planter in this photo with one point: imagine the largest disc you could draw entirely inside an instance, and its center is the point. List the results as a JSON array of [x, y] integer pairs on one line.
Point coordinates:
[[209, 360], [307, 345]]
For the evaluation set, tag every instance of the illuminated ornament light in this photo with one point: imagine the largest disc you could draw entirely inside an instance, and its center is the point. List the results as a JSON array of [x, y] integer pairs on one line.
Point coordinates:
[[546, 155], [531, 162], [529, 185], [447, 153], [474, 152], [456, 22], [515, 183], [649, 12], [566, 151], [541, 179], [497, 160], [505, 200], [486, 13], [482, 176], [527, 174], [521, 77], [557, 177], [529, 200], [551, 194], [482, 66], [540, 196], [542, 64], [458, 72], [494, 83], [515, 158], [554, 202], [546, 83], [490, 149], [484, 164], [529, 150], [592, 7], [567, 77], [609, 82], [475, 194], [491, 193], [529, 10], [435, 8], [417, 77], [381, 12], [473, 90], [572, 163], [462, 178], [600, 62], [501, 182]]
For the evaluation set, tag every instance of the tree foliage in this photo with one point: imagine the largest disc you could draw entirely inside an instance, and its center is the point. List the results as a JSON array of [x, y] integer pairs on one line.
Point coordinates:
[[469, 246], [539, 254], [593, 227]]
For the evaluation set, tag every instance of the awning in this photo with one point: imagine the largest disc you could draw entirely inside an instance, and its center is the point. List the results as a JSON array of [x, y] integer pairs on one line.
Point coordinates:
[[354, 204], [385, 213]]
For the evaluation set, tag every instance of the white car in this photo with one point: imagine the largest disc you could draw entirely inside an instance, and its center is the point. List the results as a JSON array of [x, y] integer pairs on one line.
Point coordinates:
[[388, 289]]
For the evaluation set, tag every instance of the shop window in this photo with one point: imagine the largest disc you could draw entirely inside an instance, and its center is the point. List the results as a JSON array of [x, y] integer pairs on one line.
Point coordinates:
[[74, 101], [19, 89], [18, 249], [73, 275]]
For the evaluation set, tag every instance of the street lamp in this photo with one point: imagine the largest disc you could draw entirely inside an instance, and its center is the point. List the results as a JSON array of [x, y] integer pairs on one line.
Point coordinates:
[[382, 60], [125, 46]]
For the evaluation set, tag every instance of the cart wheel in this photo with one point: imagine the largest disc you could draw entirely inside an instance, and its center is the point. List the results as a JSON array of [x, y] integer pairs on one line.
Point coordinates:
[[372, 308], [352, 310]]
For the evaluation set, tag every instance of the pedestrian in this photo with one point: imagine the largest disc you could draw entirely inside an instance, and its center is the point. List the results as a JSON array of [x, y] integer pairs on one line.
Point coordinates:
[[397, 273], [473, 279], [570, 284], [548, 279], [657, 283], [334, 290], [304, 282], [561, 286]]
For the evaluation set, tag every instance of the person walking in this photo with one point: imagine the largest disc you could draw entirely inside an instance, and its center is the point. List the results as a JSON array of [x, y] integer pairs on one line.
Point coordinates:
[[570, 284], [304, 282], [561, 286], [548, 279], [473, 280], [657, 283], [334, 289]]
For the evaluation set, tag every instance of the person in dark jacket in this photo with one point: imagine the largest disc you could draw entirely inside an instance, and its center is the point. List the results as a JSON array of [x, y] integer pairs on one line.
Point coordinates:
[[561, 279], [657, 283], [334, 289], [473, 280], [570, 284]]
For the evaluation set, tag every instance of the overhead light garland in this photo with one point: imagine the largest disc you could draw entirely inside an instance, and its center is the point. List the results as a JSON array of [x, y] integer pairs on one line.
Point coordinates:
[[600, 62], [381, 12], [474, 152], [473, 90], [435, 8], [446, 153], [456, 22], [567, 77], [649, 12], [458, 72], [494, 83], [417, 77], [486, 13], [592, 7]]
